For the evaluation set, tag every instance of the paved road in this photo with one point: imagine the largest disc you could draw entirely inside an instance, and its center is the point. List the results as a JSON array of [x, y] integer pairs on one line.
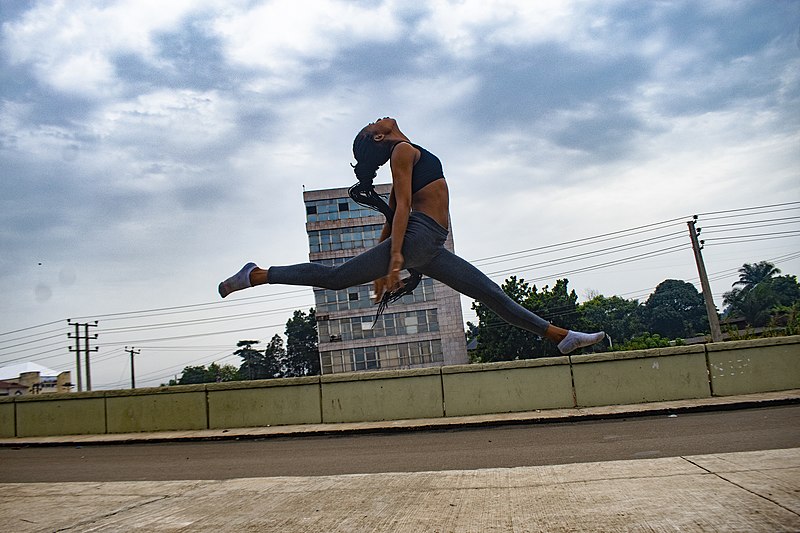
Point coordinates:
[[508, 446]]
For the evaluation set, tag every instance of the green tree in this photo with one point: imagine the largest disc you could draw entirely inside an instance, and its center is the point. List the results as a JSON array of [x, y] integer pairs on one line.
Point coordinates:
[[471, 332], [191, 375], [618, 317], [786, 289], [274, 354], [500, 341], [751, 275], [643, 342], [220, 373], [200, 374], [760, 294], [675, 310], [254, 365], [302, 354]]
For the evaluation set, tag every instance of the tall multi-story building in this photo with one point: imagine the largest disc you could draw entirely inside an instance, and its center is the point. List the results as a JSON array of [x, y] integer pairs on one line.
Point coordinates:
[[423, 329]]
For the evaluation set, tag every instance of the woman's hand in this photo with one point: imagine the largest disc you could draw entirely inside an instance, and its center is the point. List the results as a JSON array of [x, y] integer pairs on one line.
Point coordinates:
[[391, 281]]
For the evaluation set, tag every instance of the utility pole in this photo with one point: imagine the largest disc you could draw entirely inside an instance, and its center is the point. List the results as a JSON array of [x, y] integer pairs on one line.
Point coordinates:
[[132, 352], [77, 351], [86, 337], [713, 318], [88, 368]]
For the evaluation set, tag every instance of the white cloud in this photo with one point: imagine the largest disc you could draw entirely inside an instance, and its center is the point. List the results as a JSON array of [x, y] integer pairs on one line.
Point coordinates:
[[174, 120], [72, 44], [474, 27], [280, 38]]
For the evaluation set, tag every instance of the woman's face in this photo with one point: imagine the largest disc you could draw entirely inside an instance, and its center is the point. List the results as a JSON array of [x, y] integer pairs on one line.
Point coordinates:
[[383, 126]]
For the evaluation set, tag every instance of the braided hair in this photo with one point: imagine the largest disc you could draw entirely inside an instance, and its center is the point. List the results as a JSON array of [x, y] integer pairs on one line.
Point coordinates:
[[370, 155]]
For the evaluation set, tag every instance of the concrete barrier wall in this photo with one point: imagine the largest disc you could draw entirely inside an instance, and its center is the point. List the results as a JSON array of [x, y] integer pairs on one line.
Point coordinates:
[[640, 376], [7, 421], [386, 395], [80, 413], [507, 387], [157, 409], [744, 367], [578, 381], [270, 402]]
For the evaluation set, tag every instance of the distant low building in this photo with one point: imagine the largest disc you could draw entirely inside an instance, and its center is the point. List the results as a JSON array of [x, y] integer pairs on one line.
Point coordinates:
[[32, 378], [12, 388]]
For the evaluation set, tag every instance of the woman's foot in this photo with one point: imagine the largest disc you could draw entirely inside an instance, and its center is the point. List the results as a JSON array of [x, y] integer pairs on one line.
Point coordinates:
[[237, 282], [576, 339]]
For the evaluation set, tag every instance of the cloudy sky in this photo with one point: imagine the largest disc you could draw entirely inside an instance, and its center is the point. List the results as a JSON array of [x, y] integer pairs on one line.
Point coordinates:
[[148, 149]]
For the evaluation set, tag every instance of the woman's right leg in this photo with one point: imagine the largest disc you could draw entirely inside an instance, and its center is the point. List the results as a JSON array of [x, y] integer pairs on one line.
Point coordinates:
[[363, 268]]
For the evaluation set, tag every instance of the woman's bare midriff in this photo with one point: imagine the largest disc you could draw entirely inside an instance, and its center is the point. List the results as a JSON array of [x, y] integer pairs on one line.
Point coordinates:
[[434, 201]]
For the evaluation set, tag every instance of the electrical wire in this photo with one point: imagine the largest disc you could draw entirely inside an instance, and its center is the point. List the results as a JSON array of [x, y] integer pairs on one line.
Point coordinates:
[[603, 251], [715, 235], [583, 240]]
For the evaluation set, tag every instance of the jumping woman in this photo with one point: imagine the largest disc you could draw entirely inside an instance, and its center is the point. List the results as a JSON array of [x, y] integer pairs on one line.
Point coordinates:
[[413, 237]]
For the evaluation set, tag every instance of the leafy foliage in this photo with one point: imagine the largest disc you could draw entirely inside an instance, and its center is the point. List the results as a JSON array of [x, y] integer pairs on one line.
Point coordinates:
[[760, 294], [500, 341], [751, 275], [200, 374], [675, 310], [302, 356], [260, 365], [645, 341], [621, 319]]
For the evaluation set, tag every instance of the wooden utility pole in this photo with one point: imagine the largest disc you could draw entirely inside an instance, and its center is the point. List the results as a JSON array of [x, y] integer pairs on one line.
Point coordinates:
[[711, 309], [132, 352], [86, 346], [77, 351], [86, 350]]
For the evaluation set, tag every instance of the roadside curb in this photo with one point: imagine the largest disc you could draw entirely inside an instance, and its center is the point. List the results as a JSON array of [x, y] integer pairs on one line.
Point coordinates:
[[673, 407]]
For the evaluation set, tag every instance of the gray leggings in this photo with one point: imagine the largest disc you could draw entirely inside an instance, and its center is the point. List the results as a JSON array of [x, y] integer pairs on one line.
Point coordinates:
[[424, 251]]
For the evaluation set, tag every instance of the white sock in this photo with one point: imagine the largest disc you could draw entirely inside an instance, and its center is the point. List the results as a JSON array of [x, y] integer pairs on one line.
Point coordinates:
[[237, 282], [576, 339]]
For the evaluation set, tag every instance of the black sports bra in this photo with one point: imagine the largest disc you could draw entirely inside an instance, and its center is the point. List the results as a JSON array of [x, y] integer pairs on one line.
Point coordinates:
[[426, 170]]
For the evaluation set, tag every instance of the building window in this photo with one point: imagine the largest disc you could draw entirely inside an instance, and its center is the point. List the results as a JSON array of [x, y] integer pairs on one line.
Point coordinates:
[[328, 300], [388, 325], [382, 357], [336, 209], [328, 240]]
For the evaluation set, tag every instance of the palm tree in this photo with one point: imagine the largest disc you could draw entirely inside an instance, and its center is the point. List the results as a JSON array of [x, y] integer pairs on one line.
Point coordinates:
[[753, 297], [751, 275]]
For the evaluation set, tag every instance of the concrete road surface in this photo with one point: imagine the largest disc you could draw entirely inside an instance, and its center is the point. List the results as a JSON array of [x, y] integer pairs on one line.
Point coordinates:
[[746, 491], [473, 448]]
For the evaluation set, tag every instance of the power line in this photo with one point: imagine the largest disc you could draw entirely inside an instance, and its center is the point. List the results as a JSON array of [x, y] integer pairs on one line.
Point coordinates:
[[630, 259], [147, 327], [585, 239], [757, 223], [601, 252], [192, 307], [32, 342], [760, 207], [14, 339], [32, 327], [180, 337]]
